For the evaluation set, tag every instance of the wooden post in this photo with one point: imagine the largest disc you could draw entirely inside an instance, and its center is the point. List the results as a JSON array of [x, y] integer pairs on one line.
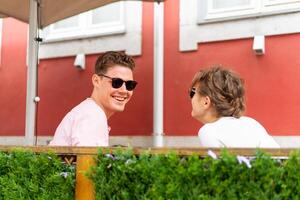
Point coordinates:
[[84, 187]]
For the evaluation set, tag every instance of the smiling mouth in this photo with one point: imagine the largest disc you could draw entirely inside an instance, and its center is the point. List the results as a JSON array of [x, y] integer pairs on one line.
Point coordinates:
[[120, 99]]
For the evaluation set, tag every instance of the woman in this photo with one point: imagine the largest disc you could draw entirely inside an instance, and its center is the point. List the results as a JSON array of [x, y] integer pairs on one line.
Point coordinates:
[[217, 97]]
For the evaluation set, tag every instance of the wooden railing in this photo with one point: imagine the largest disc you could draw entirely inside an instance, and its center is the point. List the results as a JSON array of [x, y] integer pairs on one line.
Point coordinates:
[[83, 157]]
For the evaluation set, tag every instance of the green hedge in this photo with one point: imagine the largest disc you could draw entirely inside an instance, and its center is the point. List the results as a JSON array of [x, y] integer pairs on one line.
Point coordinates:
[[126, 176], [29, 176]]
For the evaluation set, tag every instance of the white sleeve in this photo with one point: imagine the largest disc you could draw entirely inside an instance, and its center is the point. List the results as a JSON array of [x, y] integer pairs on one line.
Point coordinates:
[[62, 133]]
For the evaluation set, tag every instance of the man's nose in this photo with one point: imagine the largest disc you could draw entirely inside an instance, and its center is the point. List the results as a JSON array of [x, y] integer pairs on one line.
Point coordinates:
[[123, 87]]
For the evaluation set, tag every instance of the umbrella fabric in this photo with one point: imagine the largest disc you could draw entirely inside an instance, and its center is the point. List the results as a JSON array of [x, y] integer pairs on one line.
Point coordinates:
[[51, 10]]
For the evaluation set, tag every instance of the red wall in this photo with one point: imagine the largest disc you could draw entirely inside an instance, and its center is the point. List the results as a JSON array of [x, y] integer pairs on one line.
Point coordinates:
[[62, 87], [271, 81], [13, 78]]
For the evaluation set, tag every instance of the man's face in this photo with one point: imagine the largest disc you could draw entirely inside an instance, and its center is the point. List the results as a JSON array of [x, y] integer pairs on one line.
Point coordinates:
[[112, 99]]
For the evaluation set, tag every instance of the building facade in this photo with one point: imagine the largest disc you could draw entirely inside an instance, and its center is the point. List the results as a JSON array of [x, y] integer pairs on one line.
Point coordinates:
[[260, 41]]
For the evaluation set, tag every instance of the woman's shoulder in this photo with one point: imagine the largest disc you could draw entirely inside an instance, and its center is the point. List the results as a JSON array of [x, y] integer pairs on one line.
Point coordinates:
[[230, 125], [249, 120]]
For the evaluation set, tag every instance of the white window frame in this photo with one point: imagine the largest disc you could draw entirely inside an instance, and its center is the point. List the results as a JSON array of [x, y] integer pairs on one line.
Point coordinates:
[[197, 27], [256, 8], [125, 35], [89, 30], [207, 14]]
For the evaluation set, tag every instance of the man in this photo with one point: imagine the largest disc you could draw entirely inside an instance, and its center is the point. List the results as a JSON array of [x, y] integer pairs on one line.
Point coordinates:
[[86, 124]]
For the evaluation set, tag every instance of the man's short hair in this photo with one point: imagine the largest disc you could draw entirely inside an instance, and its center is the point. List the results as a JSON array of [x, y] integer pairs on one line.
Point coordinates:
[[224, 88], [111, 58]]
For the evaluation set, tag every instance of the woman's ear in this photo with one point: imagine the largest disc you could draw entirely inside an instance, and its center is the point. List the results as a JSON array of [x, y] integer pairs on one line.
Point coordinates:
[[207, 101]]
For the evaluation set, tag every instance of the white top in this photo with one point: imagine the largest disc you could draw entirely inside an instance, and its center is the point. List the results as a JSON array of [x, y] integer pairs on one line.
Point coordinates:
[[231, 132], [84, 125]]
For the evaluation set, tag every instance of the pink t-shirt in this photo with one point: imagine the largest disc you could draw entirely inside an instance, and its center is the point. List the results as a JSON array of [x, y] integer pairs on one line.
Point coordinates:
[[84, 125]]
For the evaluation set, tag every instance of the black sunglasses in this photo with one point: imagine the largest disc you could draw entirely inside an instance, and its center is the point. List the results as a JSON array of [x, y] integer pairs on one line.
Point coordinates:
[[118, 82], [192, 92]]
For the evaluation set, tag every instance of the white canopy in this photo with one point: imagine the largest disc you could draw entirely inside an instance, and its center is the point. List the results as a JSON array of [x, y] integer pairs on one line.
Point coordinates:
[[51, 10]]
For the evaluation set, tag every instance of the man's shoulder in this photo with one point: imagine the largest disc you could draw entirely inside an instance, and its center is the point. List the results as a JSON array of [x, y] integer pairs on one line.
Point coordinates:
[[86, 106], [85, 111]]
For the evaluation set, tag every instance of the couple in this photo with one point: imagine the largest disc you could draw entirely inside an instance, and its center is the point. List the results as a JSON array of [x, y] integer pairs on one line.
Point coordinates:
[[217, 97]]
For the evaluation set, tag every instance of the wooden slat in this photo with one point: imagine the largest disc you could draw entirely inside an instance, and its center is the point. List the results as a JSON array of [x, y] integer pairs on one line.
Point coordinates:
[[180, 151], [84, 187]]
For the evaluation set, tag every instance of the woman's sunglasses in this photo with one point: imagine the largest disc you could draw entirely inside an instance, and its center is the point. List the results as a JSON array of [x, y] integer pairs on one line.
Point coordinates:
[[118, 82], [192, 92]]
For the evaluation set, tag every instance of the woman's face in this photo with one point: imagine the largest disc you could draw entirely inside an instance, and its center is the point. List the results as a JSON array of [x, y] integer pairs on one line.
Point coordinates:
[[199, 105]]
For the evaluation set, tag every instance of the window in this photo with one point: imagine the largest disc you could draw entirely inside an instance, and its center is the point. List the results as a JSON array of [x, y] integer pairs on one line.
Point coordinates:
[[221, 10], [218, 20], [105, 20], [115, 26]]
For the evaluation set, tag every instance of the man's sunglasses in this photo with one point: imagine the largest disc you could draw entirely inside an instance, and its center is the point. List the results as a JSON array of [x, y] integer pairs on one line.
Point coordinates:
[[118, 82], [192, 92]]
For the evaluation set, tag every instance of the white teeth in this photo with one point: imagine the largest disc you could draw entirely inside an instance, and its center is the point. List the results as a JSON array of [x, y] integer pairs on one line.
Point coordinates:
[[120, 98]]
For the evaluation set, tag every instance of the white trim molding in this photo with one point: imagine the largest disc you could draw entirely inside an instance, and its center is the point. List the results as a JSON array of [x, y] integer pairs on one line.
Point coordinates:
[[128, 38], [147, 141], [1, 21], [192, 32], [158, 69]]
